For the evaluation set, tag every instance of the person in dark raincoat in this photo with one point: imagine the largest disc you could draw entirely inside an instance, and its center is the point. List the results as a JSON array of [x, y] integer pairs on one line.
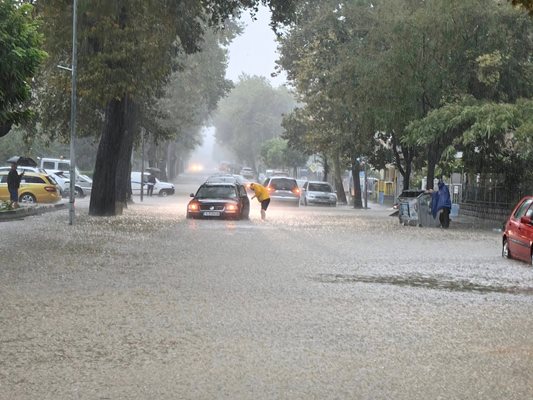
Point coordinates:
[[13, 184], [441, 200]]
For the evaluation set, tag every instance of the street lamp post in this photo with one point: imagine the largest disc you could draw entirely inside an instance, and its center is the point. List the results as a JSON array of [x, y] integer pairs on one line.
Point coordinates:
[[73, 112]]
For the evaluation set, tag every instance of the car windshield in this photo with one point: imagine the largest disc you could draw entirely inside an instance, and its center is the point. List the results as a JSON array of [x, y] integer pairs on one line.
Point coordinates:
[[320, 187], [283, 184], [216, 192]]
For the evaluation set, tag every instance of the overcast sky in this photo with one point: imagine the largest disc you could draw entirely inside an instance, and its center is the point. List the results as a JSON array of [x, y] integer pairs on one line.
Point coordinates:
[[254, 52]]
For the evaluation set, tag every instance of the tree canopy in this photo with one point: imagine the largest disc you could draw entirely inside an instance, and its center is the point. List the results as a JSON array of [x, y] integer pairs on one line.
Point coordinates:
[[21, 55], [250, 115]]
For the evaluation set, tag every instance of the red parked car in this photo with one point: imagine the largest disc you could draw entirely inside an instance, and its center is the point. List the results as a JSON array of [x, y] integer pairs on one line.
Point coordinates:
[[518, 233]]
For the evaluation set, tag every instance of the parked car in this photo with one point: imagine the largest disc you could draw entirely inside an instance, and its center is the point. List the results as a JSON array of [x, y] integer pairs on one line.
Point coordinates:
[[320, 193], [160, 188], [517, 240], [283, 189], [219, 200], [34, 188], [56, 164], [83, 186]]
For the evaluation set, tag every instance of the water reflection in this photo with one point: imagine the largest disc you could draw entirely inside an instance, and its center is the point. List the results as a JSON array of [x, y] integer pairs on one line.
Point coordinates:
[[439, 283]]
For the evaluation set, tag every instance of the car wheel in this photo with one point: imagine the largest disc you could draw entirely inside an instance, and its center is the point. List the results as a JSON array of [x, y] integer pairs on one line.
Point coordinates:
[[505, 249], [163, 193], [27, 198], [78, 192]]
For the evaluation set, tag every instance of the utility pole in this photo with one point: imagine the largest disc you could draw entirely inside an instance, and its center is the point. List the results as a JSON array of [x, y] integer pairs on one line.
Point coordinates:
[[142, 162], [73, 99]]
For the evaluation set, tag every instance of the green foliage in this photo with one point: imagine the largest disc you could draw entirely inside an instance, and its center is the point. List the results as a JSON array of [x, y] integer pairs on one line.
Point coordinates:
[[5, 206], [276, 153], [250, 115], [365, 69], [21, 55]]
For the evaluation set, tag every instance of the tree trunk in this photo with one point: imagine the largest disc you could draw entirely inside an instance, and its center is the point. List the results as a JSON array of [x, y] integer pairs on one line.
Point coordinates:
[[407, 175], [325, 165], [123, 175], [172, 159], [104, 194], [432, 162], [338, 179], [356, 182]]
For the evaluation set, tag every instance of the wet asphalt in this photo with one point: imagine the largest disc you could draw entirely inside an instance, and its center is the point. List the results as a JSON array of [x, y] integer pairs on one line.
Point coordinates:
[[314, 303]]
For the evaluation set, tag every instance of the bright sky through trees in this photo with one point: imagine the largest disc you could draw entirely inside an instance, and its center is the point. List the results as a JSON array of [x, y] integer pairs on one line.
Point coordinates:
[[254, 52]]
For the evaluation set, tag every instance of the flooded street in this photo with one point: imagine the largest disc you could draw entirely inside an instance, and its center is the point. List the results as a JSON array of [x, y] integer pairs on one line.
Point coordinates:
[[314, 303]]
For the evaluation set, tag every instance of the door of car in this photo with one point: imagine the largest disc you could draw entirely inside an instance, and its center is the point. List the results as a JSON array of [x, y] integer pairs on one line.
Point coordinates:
[[245, 201], [525, 231], [4, 193], [518, 245]]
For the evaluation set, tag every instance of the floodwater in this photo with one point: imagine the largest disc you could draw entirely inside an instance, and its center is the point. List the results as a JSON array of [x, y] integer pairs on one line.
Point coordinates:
[[314, 303]]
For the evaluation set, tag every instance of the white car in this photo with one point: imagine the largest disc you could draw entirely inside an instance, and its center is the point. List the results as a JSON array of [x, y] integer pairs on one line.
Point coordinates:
[[319, 193], [160, 188], [83, 186]]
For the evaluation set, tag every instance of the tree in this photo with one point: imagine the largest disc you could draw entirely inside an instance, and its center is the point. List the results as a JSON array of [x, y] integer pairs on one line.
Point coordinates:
[[126, 54], [250, 115], [21, 55]]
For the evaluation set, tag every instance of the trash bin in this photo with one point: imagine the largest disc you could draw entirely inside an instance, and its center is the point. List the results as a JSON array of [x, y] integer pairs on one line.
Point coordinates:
[[425, 218], [408, 211], [417, 211]]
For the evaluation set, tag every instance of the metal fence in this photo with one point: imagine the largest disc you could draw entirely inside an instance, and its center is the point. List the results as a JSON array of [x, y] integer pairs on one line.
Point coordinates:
[[494, 195]]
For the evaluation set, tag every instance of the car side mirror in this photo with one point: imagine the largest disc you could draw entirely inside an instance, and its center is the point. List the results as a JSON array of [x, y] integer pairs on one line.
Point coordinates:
[[525, 220], [191, 195]]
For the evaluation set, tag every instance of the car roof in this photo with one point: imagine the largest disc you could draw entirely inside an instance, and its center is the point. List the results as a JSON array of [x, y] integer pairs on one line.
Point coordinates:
[[27, 173]]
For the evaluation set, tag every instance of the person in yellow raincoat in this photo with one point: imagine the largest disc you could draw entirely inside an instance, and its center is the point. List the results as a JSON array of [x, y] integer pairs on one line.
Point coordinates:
[[263, 197]]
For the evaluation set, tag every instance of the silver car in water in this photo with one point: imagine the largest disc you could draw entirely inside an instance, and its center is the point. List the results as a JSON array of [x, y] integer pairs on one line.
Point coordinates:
[[318, 193]]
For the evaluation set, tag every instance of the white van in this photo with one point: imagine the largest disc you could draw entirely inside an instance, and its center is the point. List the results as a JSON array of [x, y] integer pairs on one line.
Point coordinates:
[[160, 188], [56, 164]]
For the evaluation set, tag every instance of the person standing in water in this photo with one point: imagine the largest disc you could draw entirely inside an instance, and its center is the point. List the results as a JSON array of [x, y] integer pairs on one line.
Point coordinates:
[[261, 193]]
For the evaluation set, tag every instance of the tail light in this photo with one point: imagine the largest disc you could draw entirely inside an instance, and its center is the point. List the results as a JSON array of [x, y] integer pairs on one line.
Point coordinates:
[[50, 189], [296, 190]]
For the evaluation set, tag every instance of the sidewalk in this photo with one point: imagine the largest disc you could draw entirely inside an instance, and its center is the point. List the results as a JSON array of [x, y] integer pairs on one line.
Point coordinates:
[[26, 211]]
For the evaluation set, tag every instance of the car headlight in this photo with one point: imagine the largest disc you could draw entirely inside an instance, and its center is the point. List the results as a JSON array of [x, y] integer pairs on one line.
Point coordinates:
[[194, 207], [231, 207]]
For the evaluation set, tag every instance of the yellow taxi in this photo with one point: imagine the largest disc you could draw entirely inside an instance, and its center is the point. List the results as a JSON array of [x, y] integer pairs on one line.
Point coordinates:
[[34, 188]]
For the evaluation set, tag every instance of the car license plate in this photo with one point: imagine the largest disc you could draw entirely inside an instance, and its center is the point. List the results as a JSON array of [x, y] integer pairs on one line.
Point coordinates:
[[212, 213]]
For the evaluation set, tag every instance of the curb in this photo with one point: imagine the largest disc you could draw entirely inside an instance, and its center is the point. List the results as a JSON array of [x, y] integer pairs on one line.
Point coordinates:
[[23, 212]]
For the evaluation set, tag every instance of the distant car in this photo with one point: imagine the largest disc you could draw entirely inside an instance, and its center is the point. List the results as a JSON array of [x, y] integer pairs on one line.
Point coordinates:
[[283, 190], [247, 172], [229, 178], [222, 178], [319, 193], [517, 240], [34, 188], [160, 188], [219, 200]]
